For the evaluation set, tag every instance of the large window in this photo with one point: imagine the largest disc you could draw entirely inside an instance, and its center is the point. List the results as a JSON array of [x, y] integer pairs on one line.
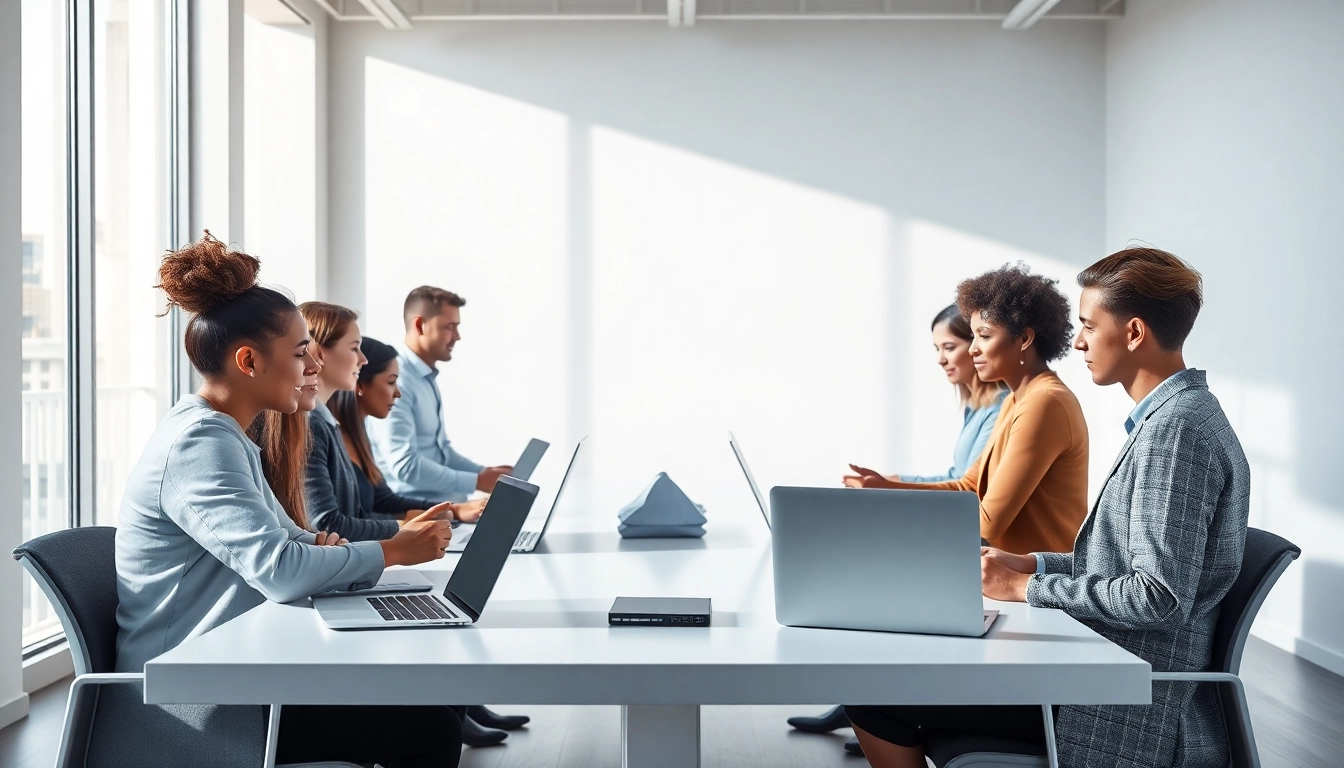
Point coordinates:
[[46, 348], [130, 214], [95, 101]]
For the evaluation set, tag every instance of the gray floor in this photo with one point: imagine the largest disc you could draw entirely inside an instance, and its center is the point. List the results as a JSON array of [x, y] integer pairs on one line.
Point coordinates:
[[1297, 708]]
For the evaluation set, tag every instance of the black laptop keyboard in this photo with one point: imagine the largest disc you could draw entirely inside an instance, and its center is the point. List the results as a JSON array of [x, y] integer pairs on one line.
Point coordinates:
[[410, 608]]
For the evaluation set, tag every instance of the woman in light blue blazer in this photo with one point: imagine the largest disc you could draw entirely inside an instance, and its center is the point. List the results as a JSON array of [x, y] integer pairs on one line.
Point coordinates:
[[980, 403], [201, 537]]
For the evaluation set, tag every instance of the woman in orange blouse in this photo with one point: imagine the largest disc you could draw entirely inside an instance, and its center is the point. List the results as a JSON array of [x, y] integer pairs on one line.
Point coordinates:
[[1032, 477]]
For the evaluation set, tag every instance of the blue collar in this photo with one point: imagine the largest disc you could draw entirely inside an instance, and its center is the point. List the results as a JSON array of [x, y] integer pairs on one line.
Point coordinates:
[[413, 360], [1160, 393], [325, 413]]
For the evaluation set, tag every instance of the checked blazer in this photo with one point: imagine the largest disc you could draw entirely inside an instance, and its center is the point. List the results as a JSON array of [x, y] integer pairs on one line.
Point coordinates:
[[1151, 564]]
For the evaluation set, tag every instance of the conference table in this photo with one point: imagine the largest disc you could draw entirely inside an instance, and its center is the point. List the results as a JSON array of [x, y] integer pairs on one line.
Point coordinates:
[[543, 639]]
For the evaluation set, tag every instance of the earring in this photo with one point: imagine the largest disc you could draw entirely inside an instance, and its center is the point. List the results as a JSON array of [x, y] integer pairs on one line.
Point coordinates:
[[252, 373], [358, 391]]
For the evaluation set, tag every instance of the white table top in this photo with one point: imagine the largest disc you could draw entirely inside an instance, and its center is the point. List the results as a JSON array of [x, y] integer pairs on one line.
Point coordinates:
[[543, 638]]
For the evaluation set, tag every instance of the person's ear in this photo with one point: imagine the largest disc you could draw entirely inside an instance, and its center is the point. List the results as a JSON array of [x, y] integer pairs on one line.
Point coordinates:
[[1028, 338], [418, 323], [1136, 332], [246, 359]]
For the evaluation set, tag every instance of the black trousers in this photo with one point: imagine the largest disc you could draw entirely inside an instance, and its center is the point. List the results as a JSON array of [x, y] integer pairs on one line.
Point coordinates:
[[395, 737], [906, 726]]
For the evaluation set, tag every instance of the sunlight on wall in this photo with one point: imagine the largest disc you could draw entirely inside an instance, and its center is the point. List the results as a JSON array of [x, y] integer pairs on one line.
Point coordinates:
[[1265, 419], [729, 299], [466, 190], [656, 298]]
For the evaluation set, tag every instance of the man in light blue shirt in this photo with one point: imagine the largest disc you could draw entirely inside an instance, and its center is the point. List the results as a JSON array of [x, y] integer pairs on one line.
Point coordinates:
[[410, 444]]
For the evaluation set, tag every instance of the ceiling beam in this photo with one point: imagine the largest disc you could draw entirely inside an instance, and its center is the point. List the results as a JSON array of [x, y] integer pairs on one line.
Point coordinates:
[[1027, 13], [387, 13]]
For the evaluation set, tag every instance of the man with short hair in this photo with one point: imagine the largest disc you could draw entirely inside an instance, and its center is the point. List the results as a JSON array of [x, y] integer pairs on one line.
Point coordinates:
[[1154, 559], [411, 444]]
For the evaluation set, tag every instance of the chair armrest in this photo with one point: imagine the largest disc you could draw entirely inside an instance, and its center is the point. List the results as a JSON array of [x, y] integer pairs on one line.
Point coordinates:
[[1196, 677]]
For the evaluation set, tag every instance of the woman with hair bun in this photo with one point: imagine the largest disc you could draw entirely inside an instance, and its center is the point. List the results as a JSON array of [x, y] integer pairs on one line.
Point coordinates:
[[1032, 476], [202, 538]]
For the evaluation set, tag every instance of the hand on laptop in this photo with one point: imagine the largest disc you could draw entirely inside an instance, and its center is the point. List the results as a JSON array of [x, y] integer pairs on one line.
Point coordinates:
[[867, 478], [485, 481], [469, 511], [420, 540], [442, 511], [1002, 574]]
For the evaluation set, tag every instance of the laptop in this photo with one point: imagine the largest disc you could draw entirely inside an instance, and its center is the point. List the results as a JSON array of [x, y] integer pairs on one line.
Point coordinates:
[[468, 588], [528, 540], [751, 481], [886, 560], [527, 463]]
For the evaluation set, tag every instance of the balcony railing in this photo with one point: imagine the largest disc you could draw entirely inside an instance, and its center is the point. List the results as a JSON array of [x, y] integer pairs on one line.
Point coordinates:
[[126, 416]]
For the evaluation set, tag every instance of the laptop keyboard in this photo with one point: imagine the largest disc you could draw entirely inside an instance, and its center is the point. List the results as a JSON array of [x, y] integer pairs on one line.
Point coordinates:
[[526, 540], [410, 608]]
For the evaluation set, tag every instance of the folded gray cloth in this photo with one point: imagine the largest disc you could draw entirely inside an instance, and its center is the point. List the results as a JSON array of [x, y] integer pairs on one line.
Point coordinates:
[[662, 511]]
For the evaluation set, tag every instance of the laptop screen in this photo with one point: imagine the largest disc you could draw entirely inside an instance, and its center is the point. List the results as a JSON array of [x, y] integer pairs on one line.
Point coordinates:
[[481, 562], [527, 463], [555, 503], [755, 491]]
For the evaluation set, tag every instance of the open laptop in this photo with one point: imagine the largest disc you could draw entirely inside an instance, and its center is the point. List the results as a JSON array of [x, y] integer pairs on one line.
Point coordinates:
[[751, 481], [527, 540], [527, 463], [469, 587], [886, 560]]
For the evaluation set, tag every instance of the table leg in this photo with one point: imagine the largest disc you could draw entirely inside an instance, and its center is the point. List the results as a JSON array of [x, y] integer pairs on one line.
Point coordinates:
[[660, 736]]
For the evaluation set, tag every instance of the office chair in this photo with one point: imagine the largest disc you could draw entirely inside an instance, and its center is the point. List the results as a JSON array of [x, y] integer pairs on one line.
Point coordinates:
[[1265, 559], [107, 725]]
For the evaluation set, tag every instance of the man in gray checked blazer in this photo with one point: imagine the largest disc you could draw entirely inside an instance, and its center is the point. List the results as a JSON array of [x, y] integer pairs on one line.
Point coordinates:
[[1164, 541]]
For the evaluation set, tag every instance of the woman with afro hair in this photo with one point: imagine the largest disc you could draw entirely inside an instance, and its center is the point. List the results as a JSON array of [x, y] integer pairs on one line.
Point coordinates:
[[1032, 477]]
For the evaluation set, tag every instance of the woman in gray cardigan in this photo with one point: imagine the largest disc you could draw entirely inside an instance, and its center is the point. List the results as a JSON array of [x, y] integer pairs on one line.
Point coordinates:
[[202, 539], [332, 481]]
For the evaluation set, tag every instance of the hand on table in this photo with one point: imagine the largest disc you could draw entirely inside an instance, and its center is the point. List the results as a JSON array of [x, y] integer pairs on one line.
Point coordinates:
[[485, 480], [867, 478], [469, 511], [1004, 576]]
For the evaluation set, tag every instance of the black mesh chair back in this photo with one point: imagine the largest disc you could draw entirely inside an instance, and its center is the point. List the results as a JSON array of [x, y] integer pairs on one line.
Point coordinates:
[[79, 567], [1266, 557]]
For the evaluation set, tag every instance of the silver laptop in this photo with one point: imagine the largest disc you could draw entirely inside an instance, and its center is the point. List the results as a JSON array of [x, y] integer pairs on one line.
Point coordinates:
[[751, 481], [528, 540], [527, 463], [893, 561], [468, 588]]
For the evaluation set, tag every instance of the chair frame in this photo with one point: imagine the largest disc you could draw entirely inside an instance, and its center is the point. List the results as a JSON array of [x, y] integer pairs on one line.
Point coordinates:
[[83, 698]]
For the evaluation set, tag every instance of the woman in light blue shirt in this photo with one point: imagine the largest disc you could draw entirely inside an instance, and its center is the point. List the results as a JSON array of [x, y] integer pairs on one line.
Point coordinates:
[[980, 403], [202, 538]]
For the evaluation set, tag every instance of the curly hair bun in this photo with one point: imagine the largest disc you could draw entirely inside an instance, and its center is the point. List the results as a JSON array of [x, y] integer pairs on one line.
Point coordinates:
[[206, 274]]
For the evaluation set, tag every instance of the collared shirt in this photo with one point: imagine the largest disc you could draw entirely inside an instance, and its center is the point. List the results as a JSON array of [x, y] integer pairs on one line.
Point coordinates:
[[410, 445], [1146, 404], [976, 427], [1135, 416]]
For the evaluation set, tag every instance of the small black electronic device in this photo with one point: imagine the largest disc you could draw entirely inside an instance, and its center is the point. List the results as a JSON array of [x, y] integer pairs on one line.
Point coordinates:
[[659, 612]]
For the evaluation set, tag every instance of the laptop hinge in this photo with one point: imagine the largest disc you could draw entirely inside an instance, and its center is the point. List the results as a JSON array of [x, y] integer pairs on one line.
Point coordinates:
[[462, 606]]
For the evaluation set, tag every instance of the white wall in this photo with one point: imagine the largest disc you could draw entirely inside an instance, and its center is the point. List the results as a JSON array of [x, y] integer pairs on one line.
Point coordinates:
[[1224, 126], [663, 234], [13, 701]]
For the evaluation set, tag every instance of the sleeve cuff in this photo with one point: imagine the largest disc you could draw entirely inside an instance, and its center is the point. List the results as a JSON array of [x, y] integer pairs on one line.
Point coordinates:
[[369, 556]]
